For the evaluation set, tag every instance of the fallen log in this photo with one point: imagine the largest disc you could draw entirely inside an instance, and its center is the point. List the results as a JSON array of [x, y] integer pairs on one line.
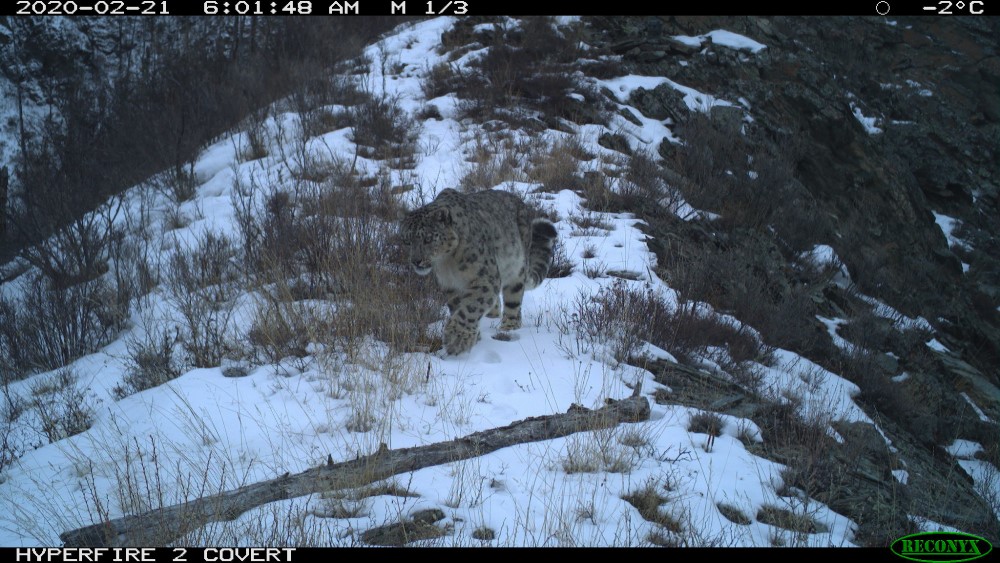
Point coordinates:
[[162, 525]]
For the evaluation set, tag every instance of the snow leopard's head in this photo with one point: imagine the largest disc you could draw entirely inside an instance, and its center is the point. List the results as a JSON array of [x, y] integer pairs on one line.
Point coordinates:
[[428, 235]]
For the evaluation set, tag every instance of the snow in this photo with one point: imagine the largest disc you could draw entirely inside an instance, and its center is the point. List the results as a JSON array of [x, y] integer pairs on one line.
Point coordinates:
[[831, 329], [203, 433], [984, 474], [824, 256], [825, 395], [948, 225], [886, 311], [979, 412], [735, 41], [623, 86], [723, 38], [567, 20], [964, 449], [987, 480], [928, 525], [867, 122], [690, 41], [933, 344]]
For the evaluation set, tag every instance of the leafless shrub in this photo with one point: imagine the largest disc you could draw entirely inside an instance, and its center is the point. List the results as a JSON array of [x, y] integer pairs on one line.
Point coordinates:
[[561, 265], [151, 362], [491, 166], [149, 475], [558, 168], [256, 137], [645, 186], [603, 67], [783, 424], [202, 284], [269, 227], [625, 316], [812, 466], [648, 501], [526, 65], [319, 90], [48, 328], [709, 153], [329, 241], [441, 79], [590, 224], [744, 279], [594, 270], [706, 423], [747, 183], [62, 408], [622, 316], [598, 451], [14, 361], [599, 191], [323, 120], [132, 276], [77, 251], [181, 182], [281, 234], [344, 224], [384, 129], [733, 514], [283, 328], [12, 446], [398, 313], [696, 330], [783, 518], [429, 111]]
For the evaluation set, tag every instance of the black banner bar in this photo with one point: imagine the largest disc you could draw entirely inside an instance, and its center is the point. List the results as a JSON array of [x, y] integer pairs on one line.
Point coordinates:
[[875, 8], [156, 554], [311, 554]]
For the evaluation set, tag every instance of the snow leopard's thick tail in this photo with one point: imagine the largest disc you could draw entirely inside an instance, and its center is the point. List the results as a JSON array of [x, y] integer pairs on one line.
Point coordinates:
[[543, 238]]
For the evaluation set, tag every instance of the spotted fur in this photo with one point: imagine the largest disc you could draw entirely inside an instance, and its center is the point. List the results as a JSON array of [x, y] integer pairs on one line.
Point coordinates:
[[479, 245]]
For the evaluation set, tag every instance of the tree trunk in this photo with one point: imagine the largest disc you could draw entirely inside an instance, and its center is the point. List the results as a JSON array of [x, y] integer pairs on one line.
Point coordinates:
[[162, 525]]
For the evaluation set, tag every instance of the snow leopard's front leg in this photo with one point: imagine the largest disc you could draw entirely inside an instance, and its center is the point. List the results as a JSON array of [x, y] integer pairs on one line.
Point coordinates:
[[462, 330], [454, 298]]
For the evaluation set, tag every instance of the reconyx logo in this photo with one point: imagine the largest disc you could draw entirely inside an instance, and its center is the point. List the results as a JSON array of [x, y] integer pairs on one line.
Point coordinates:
[[941, 547]]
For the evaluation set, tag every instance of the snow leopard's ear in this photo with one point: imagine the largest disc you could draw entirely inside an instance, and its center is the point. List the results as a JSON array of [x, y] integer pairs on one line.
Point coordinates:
[[442, 215]]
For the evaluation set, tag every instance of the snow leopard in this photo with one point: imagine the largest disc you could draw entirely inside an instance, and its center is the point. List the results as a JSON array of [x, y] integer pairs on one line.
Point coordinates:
[[479, 245]]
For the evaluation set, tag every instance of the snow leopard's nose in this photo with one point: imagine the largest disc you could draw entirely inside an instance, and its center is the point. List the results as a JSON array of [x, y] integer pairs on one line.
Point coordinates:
[[420, 266]]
